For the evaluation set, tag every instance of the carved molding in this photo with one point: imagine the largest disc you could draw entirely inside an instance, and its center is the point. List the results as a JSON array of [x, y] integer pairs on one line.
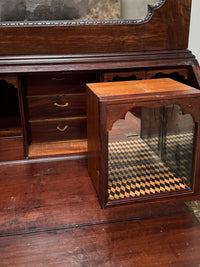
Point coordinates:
[[149, 15]]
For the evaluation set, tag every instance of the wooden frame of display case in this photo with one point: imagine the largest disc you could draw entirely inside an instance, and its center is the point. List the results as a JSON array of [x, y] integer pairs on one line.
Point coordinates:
[[109, 102]]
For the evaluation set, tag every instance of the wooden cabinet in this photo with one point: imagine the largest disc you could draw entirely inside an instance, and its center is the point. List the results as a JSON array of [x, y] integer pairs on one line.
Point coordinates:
[[55, 108], [48, 110], [130, 169], [44, 69]]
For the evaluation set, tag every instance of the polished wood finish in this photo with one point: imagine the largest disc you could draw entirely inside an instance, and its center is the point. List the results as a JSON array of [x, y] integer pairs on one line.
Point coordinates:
[[57, 129], [168, 29], [49, 212], [11, 148], [37, 92], [58, 148], [50, 216], [55, 110], [94, 62], [145, 90], [56, 83], [48, 106], [109, 102]]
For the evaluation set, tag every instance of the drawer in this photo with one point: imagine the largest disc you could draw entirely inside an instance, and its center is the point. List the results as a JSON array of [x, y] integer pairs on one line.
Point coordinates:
[[44, 107], [123, 76], [55, 130], [66, 83]]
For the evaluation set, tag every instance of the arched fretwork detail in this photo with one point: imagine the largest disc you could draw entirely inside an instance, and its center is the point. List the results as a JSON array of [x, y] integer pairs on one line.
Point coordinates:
[[173, 75], [116, 112]]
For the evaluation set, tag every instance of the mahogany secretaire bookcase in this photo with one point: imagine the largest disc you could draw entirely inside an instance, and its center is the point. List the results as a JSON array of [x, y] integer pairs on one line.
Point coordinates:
[[44, 66]]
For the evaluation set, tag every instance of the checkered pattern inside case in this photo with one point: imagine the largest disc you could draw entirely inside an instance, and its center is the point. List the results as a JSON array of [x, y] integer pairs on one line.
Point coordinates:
[[136, 171]]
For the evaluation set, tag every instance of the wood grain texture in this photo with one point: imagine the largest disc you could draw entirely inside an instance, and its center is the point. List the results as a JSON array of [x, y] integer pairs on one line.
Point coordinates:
[[56, 83], [112, 101], [168, 29], [36, 197], [58, 129], [51, 106], [98, 61], [94, 148], [11, 148], [58, 148], [50, 216], [169, 241], [135, 90]]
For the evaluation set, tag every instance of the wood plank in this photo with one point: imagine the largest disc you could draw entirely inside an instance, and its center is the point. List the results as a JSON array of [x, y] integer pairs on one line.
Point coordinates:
[[50, 216], [58, 148], [166, 241], [38, 196], [141, 88]]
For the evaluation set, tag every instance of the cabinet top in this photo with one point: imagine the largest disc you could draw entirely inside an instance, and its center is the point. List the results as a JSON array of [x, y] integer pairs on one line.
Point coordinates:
[[142, 90]]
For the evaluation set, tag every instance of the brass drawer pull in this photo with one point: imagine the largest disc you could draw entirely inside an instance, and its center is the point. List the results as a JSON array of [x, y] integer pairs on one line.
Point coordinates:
[[62, 105], [62, 129]]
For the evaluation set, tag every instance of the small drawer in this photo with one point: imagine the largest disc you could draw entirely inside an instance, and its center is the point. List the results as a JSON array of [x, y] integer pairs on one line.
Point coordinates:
[[55, 130], [44, 107], [123, 76], [66, 83]]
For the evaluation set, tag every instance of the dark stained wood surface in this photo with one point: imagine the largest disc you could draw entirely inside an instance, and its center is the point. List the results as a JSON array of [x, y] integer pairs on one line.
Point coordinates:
[[58, 129], [97, 61], [50, 216], [168, 29], [11, 148], [168, 241], [48, 106], [40, 196], [49, 212]]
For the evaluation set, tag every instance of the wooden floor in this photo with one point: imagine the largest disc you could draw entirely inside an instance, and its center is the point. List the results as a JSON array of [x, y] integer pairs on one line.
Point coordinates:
[[50, 216]]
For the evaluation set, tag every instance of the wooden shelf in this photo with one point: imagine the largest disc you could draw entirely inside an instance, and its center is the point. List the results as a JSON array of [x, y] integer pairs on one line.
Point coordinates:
[[10, 126], [55, 149]]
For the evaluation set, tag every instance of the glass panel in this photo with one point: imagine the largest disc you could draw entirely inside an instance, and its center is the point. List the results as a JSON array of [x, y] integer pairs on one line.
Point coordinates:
[[150, 152], [151, 128], [84, 10], [178, 140]]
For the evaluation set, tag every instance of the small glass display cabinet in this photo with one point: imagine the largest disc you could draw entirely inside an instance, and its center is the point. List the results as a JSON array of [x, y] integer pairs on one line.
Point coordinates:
[[143, 140]]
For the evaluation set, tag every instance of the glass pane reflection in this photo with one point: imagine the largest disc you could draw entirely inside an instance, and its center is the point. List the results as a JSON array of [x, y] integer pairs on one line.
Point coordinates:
[[84, 10], [150, 152]]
